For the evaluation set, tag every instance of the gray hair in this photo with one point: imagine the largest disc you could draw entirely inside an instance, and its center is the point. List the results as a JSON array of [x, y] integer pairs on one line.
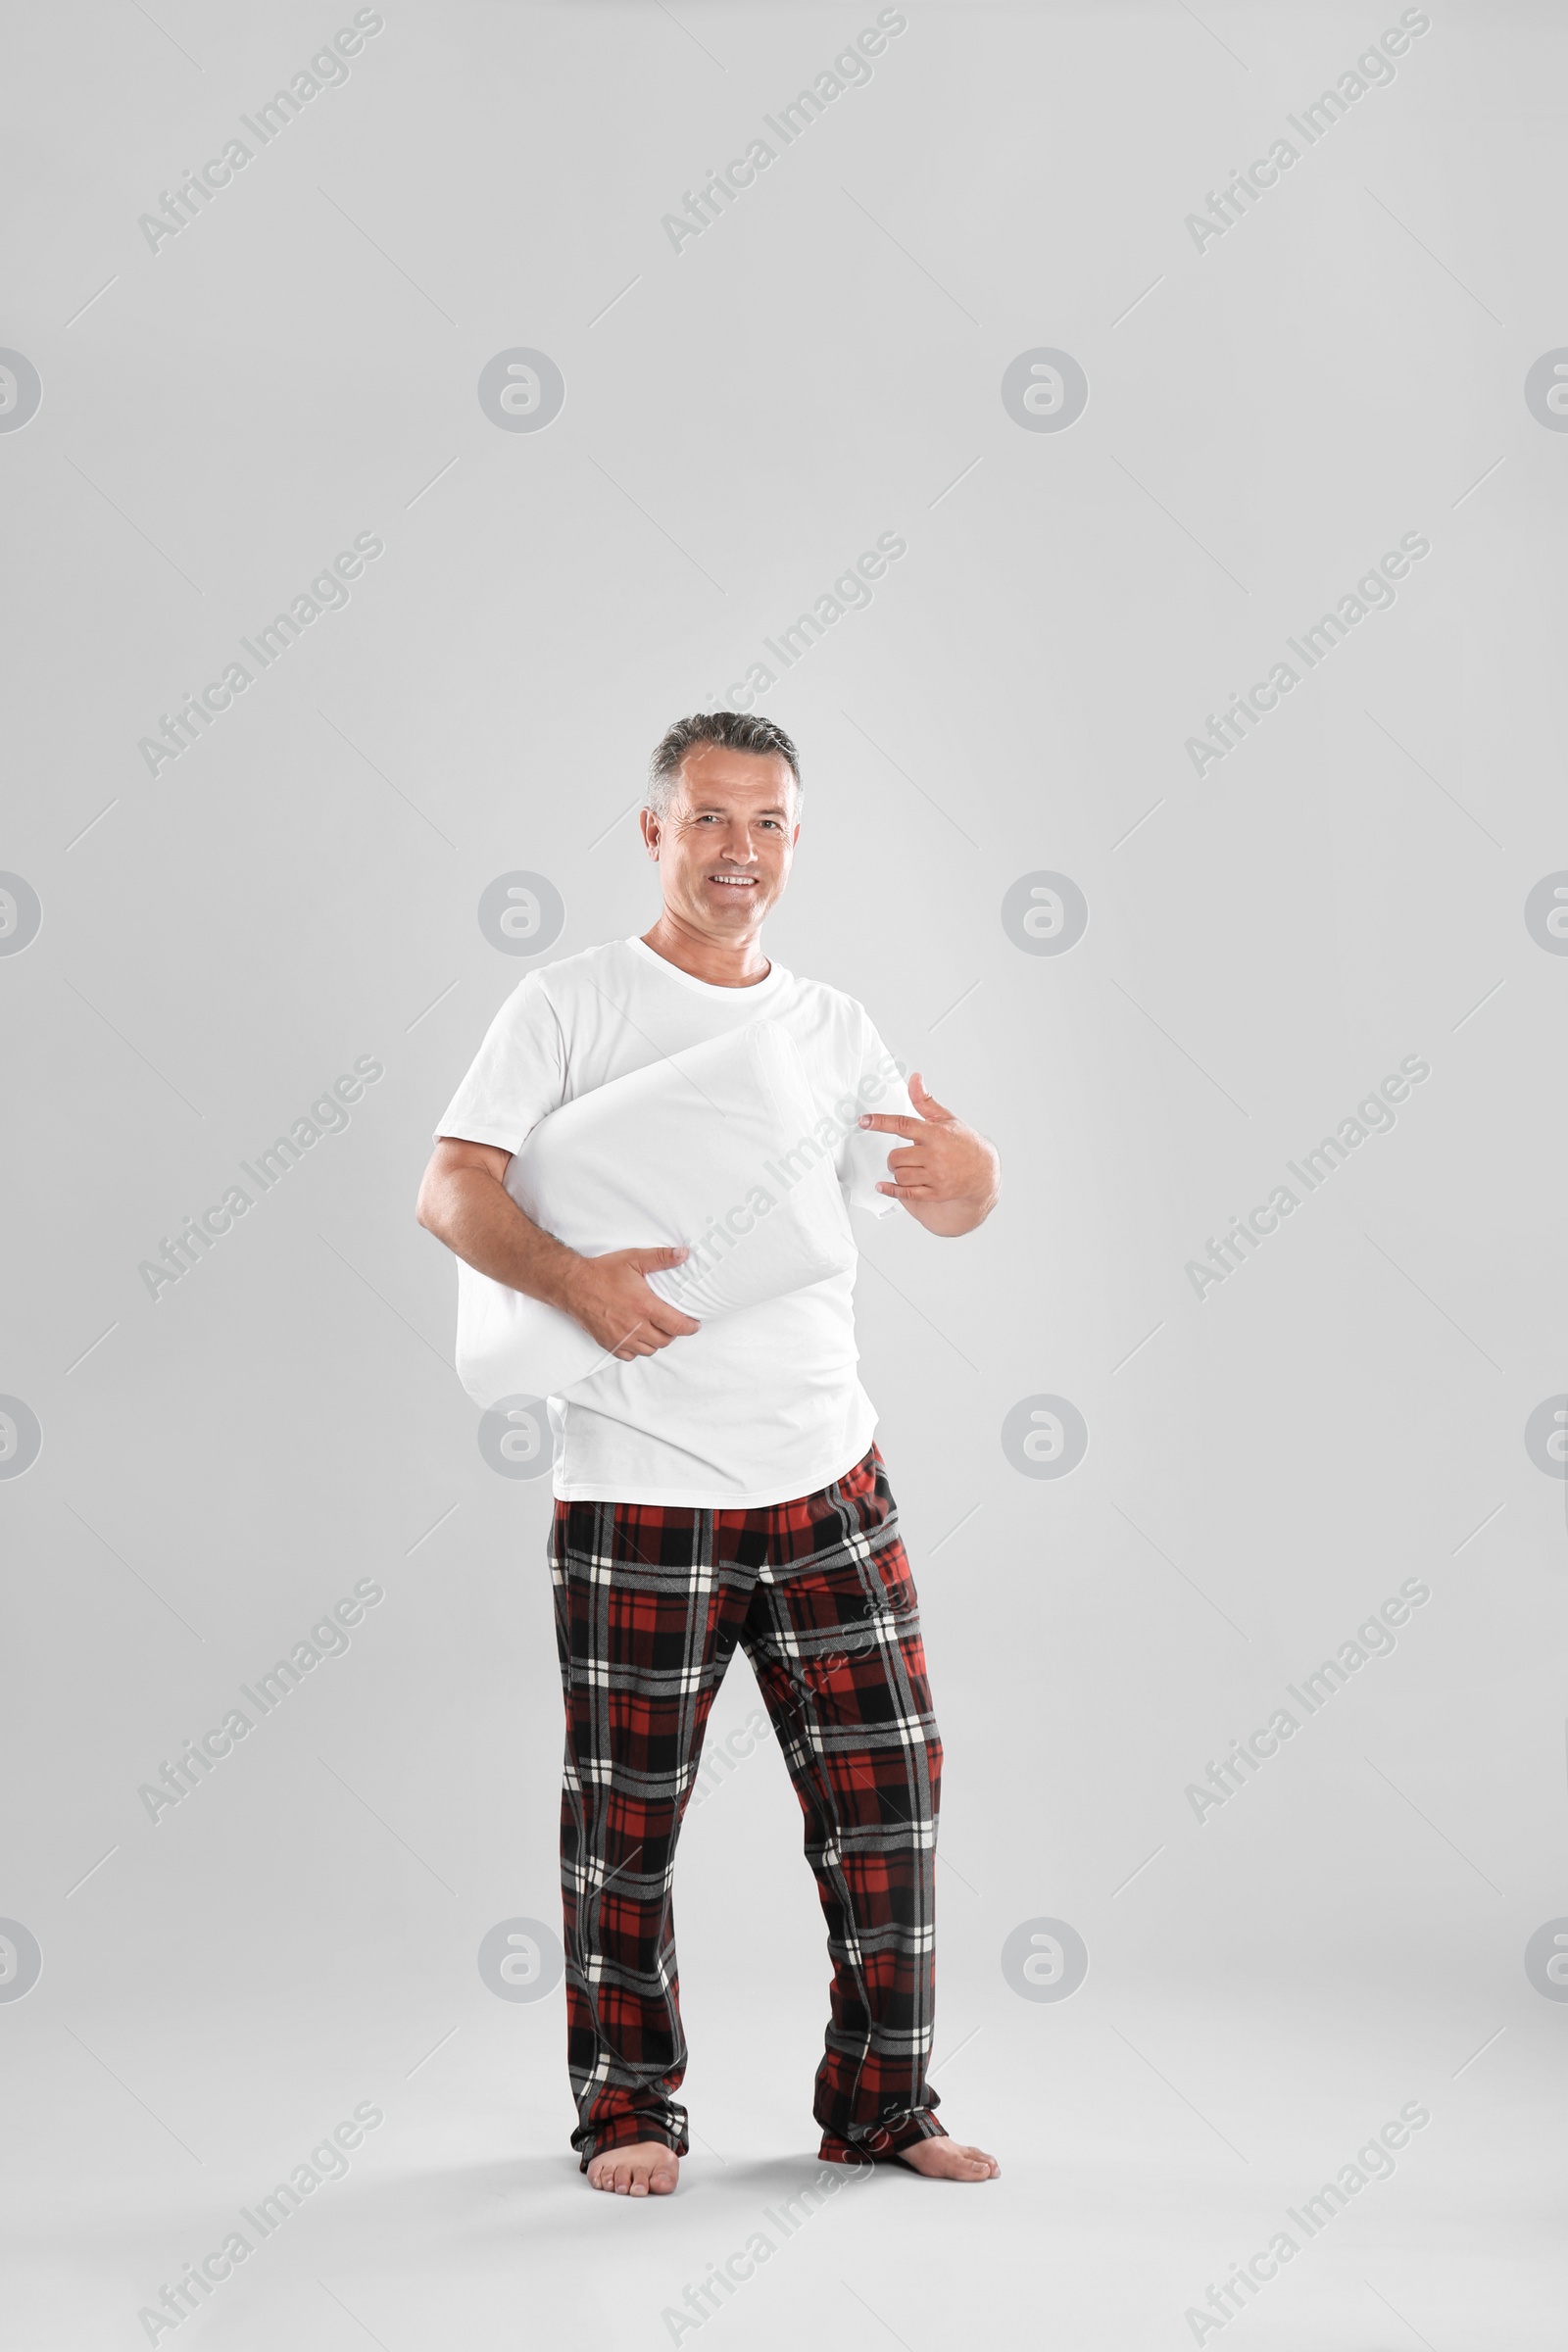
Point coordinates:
[[732, 732]]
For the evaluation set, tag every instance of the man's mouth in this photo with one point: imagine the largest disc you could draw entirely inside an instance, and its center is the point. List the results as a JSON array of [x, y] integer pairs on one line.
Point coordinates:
[[735, 881]]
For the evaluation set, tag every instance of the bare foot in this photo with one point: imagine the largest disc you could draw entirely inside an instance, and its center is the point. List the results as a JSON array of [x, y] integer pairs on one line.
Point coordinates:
[[950, 2160], [646, 2169]]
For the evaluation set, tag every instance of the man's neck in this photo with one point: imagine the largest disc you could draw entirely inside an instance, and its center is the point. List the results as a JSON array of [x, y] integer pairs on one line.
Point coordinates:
[[722, 963]]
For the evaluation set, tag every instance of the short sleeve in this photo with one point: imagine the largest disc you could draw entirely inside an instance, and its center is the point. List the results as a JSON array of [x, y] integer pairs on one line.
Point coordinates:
[[518, 1076], [862, 1156]]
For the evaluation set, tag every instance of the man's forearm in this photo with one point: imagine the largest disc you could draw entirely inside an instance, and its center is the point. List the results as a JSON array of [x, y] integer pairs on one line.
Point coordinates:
[[478, 1220]]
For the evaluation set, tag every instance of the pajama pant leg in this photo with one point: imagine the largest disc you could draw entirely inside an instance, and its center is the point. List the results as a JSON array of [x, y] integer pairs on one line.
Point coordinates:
[[650, 1603], [833, 1634], [647, 1616]]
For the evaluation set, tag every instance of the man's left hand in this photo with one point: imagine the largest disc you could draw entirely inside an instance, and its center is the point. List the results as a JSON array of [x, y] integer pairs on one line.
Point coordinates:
[[947, 1176]]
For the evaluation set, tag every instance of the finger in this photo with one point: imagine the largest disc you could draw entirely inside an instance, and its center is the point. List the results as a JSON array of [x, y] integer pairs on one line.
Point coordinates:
[[925, 1102], [663, 1317], [648, 1261], [888, 1122], [907, 1192], [650, 1340], [672, 1326], [638, 1339]]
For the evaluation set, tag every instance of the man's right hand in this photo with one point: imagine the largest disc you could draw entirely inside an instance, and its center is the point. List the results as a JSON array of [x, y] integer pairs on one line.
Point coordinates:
[[610, 1298], [464, 1203]]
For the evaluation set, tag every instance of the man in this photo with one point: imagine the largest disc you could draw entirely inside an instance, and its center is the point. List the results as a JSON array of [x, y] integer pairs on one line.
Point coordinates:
[[722, 1485]]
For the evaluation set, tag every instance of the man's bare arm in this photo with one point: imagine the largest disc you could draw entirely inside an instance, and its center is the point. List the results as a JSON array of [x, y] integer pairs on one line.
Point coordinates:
[[464, 1203]]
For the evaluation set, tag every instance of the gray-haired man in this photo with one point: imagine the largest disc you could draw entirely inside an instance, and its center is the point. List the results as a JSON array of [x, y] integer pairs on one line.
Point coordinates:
[[722, 1485]]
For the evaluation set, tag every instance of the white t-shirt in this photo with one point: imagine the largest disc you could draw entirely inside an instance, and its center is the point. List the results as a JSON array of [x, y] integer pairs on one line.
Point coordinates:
[[763, 1403]]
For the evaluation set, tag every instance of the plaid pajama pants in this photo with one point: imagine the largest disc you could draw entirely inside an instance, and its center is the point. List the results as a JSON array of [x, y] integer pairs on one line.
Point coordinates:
[[650, 1601]]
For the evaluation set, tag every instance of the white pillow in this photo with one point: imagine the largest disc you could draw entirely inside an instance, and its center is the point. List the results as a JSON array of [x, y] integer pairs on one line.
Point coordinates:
[[713, 1147]]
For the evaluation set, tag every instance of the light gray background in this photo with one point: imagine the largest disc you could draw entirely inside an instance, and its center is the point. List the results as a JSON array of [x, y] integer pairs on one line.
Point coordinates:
[[1264, 1466]]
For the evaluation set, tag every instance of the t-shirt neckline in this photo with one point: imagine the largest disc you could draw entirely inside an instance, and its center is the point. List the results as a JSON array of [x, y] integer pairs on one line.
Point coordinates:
[[776, 975]]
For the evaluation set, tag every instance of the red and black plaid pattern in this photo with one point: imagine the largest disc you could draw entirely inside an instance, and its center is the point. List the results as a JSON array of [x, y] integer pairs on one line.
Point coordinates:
[[651, 1602]]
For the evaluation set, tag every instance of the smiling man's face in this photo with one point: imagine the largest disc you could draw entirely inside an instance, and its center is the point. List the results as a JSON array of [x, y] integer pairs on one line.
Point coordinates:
[[726, 846]]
